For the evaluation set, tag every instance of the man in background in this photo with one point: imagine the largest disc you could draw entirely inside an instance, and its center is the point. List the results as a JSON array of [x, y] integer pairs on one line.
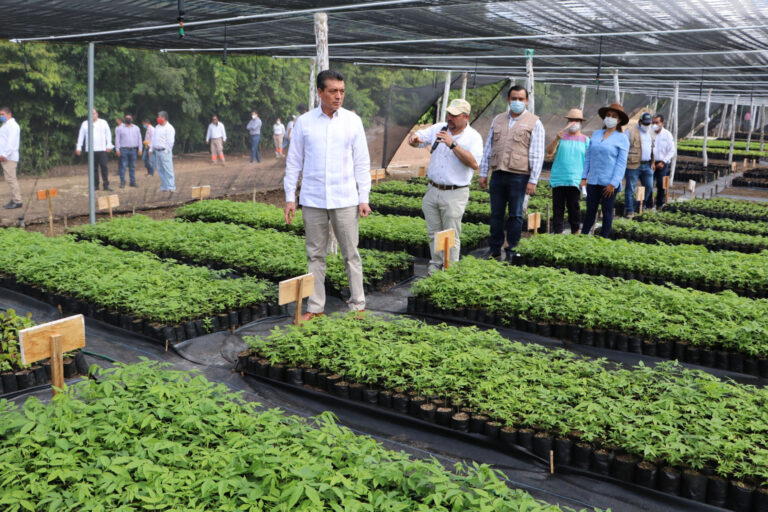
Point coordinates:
[[102, 144], [254, 130], [664, 151], [162, 146], [641, 141], [128, 148], [10, 137], [149, 158], [217, 136]]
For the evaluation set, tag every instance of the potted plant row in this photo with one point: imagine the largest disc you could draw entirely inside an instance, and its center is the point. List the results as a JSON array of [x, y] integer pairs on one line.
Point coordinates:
[[721, 208], [703, 222]]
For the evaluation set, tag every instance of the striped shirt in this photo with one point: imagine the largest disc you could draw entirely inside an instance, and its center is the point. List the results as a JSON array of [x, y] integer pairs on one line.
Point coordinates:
[[331, 154], [535, 152]]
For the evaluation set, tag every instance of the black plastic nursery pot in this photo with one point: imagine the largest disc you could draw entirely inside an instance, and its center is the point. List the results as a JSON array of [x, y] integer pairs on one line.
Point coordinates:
[[12, 382]]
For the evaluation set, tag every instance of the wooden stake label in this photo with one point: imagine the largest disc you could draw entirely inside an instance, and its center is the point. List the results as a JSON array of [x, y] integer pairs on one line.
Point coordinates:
[[444, 240], [422, 171], [294, 290], [52, 340], [691, 186], [47, 194], [201, 192], [109, 202], [665, 183], [640, 194], [378, 174], [534, 221]]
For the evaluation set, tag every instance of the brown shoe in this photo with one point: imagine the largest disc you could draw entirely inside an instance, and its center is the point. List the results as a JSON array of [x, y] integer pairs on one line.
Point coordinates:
[[309, 316]]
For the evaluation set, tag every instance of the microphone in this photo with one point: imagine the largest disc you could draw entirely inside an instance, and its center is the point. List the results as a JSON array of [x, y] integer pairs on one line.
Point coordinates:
[[437, 141]]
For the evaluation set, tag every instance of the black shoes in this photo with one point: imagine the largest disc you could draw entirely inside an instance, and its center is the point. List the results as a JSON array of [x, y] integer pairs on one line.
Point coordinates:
[[134, 185], [122, 185], [13, 205], [491, 255]]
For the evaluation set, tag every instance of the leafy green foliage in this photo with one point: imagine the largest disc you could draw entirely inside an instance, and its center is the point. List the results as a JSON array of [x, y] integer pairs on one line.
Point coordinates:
[[657, 313], [681, 417], [678, 264], [418, 190], [264, 253], [10, 352], [703, 222], [721, 147], [146, 438], [394, 228], [723, 208], [655, 232], [125, 282]]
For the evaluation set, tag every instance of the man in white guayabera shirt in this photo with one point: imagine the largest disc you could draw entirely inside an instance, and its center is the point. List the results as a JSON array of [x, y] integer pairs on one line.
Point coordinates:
[[328, 148]]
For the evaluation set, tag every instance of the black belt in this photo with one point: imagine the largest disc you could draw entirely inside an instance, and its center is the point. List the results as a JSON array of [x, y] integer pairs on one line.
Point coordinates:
[[123, 149], [645, 161], [446, 187], [158, 149]]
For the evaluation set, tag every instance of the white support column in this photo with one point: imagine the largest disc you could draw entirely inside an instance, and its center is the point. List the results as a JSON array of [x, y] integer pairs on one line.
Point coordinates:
[[583, 97], [623, 94], [321, 40], [673, 164], [762, 127], [706, 127], [654, 105], [91, 169], [693, 124], [616, 89], [723, 117], [733, 129], [313, 84], [529, 81], [446, 93], [464, 86], [751, 121], [732, 122]]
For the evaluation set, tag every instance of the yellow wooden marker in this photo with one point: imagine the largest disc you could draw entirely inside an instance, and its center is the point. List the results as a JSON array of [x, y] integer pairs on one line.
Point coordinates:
[[534, 222], [52, 340], [691, 186], [48, 194], [378, 174], [640, 197], [295, 290], [109, 202], [201, 192], [444, 240], [422, 171]]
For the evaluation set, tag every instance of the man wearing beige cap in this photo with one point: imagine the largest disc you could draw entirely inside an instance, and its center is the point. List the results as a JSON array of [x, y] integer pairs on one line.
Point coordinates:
[[456, 150]]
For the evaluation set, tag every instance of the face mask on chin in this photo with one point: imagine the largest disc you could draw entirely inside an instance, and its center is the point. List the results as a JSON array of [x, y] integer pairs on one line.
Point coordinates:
[[611, 122]]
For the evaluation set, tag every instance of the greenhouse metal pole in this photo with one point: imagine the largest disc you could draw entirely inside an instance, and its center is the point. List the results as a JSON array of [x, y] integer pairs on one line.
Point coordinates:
[[313, 84], [762, 127], [464, 86], [583, 97], [321, 40], [655, 104], [732, 122], [529, 81], [751, 121], [673, 164], [706, 127], [91, 170], [723, 117], [733, 129], [446, 94]]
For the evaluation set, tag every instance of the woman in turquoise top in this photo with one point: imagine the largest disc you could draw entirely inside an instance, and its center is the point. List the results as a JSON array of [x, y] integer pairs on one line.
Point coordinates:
[[604, 166], [570, 148]]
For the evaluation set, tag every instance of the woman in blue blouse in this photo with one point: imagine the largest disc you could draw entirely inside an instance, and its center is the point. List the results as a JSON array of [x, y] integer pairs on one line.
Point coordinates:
[[604, 166]]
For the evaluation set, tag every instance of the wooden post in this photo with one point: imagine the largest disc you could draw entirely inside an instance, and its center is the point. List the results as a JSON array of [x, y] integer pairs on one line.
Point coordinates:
[[47, 194], [109, 202], [295, 290], [640, 197], [551, 462], [52, 340], [445, 240], [377, 174], [422, 171], [201, 192], [534, 222], [691, 187]]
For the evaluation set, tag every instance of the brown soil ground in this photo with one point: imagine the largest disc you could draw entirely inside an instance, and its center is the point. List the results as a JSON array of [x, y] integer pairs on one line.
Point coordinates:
[[746, 192]]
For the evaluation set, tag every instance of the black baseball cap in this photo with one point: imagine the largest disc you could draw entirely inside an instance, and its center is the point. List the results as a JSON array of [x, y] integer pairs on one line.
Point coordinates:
[[646, 118]]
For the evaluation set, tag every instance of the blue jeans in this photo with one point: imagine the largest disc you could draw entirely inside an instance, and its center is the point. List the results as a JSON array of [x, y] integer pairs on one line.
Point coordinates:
[[661, 194], [507, 189], [164, 161], [128, 161], [645, 174], [149, 161], [255, 148], [594, 199]]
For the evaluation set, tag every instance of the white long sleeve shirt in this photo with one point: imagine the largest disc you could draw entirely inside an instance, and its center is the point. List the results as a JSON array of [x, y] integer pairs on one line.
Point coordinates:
[[10, 137], [163, 137], [445, 168], [216, 131], [665, 148], [102, 136], [331, 154]]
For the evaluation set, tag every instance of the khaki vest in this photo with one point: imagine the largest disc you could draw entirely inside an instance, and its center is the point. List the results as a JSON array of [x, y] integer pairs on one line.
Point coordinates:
[[636, 147], [509, 149]]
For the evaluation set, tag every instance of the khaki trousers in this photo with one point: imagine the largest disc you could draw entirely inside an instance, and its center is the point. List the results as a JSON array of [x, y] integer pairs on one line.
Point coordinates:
[[217, 149], [443, 209], [9, 171], [345, 228]]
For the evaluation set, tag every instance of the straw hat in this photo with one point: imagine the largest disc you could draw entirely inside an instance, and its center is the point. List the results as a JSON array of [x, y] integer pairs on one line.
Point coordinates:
[[575, 113], [623, 117]]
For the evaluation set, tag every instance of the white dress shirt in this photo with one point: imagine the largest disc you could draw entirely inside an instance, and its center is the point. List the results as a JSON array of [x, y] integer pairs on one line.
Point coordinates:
[[102, 136], [665, 148], [331, 153], [10, 136], [278, 129], [646, 144], [216, 131], [163, 137], [445, 168]]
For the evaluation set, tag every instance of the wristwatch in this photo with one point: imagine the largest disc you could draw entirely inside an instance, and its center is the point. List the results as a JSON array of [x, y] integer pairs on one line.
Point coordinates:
[[453, 145]]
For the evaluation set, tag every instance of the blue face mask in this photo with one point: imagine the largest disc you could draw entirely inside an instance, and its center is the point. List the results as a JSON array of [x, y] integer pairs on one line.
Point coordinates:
[[516, 107], [3, 119]]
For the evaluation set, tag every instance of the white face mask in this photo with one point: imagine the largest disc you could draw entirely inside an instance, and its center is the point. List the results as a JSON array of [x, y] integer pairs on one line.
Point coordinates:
[[657, 128], [611, 122], [644, 128], [574, 127], [254, 117]]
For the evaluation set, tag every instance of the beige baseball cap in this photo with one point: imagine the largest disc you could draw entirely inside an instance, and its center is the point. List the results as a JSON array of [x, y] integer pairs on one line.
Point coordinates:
[[458, 106]]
